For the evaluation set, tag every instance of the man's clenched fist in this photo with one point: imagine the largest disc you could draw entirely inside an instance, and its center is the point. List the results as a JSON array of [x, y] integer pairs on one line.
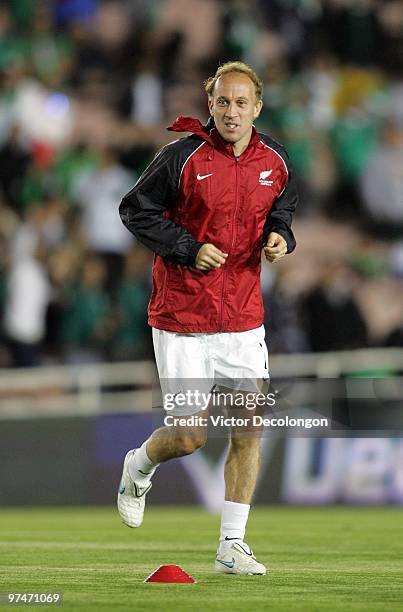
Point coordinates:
[[209, 257], [275, 248]]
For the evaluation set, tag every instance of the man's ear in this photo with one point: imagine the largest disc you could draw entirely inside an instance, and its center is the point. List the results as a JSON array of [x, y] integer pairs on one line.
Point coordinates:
[[210, 105], [258, 108]]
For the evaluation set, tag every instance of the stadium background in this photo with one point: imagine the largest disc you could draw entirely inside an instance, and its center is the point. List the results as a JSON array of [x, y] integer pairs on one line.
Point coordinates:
[[86, 90]]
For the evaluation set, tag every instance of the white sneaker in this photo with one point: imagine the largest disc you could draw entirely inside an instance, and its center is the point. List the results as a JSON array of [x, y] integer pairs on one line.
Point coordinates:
[[239, 559], [131, 496]]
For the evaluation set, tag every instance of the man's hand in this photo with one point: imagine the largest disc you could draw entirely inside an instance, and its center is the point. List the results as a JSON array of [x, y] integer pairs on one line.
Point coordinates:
[[209, 257], [275, 248]]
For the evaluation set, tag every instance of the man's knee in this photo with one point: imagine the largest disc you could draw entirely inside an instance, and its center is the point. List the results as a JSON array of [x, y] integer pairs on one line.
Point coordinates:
[[187, 442]]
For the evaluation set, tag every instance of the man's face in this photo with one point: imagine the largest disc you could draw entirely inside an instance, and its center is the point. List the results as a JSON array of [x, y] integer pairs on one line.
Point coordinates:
[[234, 107]]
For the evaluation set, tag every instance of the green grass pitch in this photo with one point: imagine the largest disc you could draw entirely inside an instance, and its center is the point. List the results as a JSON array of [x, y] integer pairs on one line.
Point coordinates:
[[319, 559]]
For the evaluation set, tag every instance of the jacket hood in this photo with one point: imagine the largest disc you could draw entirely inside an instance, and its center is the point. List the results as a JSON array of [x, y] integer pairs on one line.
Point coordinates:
[[193, 125]]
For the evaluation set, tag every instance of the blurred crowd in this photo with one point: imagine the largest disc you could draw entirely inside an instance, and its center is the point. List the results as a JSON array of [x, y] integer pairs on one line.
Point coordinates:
[[86, 90]]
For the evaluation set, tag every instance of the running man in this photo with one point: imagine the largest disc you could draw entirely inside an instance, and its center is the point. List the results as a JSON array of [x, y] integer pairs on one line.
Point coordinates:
[[207, 205]]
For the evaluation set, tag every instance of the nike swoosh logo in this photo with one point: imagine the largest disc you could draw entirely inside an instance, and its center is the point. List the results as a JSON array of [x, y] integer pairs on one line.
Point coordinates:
[[250, 554], [227, 538], [140, 491], [201, 177], [229, 564]]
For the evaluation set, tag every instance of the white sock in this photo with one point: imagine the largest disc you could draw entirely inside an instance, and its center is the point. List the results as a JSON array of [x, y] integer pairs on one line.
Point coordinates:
[[234, 517], [140, 466]]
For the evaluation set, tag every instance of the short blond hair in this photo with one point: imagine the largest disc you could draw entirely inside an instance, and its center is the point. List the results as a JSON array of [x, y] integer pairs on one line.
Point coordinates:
[[229, 67]]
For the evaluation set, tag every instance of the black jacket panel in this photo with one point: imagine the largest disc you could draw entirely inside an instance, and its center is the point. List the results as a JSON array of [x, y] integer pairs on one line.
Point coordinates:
[[280, 216], [142, 209]]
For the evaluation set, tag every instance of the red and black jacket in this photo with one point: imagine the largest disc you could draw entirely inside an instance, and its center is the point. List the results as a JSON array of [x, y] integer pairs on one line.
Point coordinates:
[[196, 191]]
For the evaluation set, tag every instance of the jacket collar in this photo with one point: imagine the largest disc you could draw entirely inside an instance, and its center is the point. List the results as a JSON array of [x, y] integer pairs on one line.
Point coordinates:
[[208, 132]]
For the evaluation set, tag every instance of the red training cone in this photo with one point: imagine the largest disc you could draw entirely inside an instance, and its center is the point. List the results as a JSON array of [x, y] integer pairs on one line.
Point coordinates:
[[169, 573]]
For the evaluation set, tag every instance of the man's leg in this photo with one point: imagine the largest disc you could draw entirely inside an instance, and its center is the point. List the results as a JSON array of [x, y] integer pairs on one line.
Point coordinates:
[[182, 361], [140, 464], [241, 359], [240, 473], [242, 466]]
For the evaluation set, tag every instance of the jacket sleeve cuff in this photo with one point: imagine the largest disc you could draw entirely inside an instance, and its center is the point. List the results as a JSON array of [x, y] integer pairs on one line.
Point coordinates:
[[286, 233], [193, 251]]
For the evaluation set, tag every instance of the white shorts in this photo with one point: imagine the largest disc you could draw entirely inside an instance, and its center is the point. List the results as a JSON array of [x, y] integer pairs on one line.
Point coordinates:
[[236, 360]]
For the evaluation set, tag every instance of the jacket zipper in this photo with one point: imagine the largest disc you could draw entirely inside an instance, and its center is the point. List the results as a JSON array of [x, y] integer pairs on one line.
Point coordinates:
[[224, 276]]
